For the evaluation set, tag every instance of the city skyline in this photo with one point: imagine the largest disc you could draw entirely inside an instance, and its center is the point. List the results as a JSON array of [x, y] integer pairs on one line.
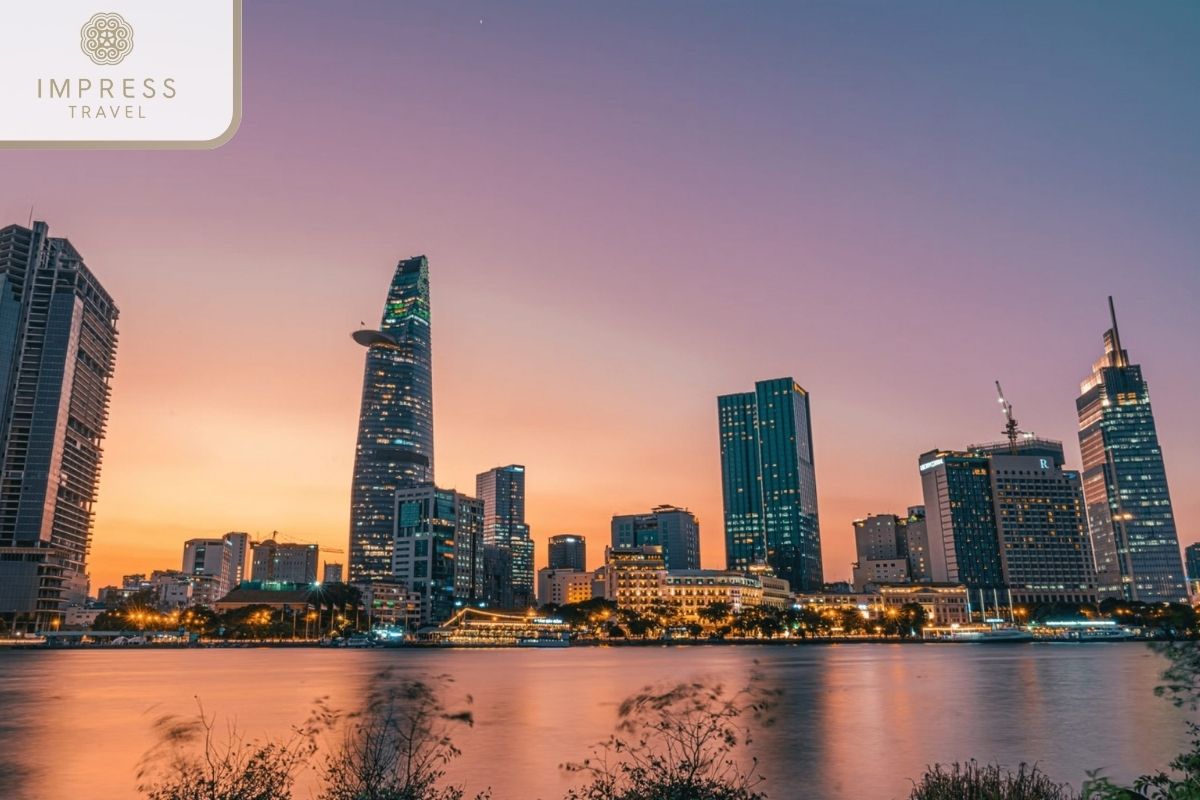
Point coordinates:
[[792, 220]]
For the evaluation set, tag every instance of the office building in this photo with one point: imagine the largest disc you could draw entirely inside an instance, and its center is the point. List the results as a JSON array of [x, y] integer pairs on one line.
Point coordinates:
[[563, 585], [769, 483], [567, 551], [433, 526], [502, 490], [916, 545], [1192, 557], [1007, 521], [395, 428], [331, 572], [277, 562], [58, 341], [469, 580], [1129, 506], [675, 530]]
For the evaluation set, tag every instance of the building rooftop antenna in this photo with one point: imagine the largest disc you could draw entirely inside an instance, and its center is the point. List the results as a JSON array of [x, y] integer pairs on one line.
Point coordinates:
[[1011, 431], [1119, 354]]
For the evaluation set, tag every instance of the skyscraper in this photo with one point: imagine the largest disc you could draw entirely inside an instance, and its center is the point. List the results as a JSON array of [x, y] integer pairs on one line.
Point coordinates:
[[769, 483], [1125, 482], [395, 428], [1007, 520], [502, 490], [58, 341], [675, 530], [567, 551]]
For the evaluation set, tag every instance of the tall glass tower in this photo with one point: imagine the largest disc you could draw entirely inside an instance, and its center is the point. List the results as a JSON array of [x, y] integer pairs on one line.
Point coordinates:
[[769, 483], [502, 490], [58, 343], [1125, 483], [395, 424]]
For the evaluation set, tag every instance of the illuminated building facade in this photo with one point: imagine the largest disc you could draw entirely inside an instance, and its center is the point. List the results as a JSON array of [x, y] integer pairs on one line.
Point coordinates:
[[675, 530], [395, 429], [634, 577], [58, 341], [502, 490], [561, 586], [567, 551], [768, 482], [687, 591], [1125, 482], [1008, 522]]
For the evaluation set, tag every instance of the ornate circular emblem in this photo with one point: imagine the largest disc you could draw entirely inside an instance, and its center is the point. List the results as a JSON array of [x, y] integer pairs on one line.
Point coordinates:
[[106, 38]]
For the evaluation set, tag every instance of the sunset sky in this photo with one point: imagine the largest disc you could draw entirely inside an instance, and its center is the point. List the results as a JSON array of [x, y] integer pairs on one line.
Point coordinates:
[[629, 209]]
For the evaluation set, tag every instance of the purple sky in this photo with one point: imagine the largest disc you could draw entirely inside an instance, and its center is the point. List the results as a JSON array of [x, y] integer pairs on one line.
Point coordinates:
[[629, 210]]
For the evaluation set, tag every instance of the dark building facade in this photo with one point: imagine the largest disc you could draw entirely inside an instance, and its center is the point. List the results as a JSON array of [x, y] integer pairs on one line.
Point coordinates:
[[1125, 482], [395, 429], [433, 526], [1192, 557], [675, 530], [58, 341], [502, 491], [769, 482], [567, 551]]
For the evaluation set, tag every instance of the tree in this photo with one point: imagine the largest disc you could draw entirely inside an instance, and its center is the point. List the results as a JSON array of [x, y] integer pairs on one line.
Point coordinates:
[[715, 614], [851, 621], [812, 622], [138, 611], [636, 624], [398, 745], [190, 762], [678, 743]]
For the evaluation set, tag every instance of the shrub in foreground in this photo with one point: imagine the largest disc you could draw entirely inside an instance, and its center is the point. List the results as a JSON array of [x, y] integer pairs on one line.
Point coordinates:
[[975, 781]]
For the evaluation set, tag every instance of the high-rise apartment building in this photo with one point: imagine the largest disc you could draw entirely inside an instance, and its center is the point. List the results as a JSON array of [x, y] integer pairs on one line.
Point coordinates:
[[502, 490], [1125, 482], [675, 530], [212, 558], [891, 549], [1007, 521], [58, 341], [567, 551], [769, 483], [395, 429], [239, 557]]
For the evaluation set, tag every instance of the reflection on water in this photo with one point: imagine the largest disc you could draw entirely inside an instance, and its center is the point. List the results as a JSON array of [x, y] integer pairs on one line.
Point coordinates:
[[854, 721]]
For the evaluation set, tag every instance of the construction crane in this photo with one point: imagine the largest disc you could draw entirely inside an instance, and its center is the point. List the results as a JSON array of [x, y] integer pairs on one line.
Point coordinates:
[[1011, 431]]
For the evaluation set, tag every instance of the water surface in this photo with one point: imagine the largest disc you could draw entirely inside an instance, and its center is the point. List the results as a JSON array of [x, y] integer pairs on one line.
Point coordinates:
[[854, 721]]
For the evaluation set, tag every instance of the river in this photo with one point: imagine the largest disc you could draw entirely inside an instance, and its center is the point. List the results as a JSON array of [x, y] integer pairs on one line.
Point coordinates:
[[853, 721]]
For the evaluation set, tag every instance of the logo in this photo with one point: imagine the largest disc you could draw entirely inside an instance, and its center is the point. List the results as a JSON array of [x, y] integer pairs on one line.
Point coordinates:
[[106, 38]]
